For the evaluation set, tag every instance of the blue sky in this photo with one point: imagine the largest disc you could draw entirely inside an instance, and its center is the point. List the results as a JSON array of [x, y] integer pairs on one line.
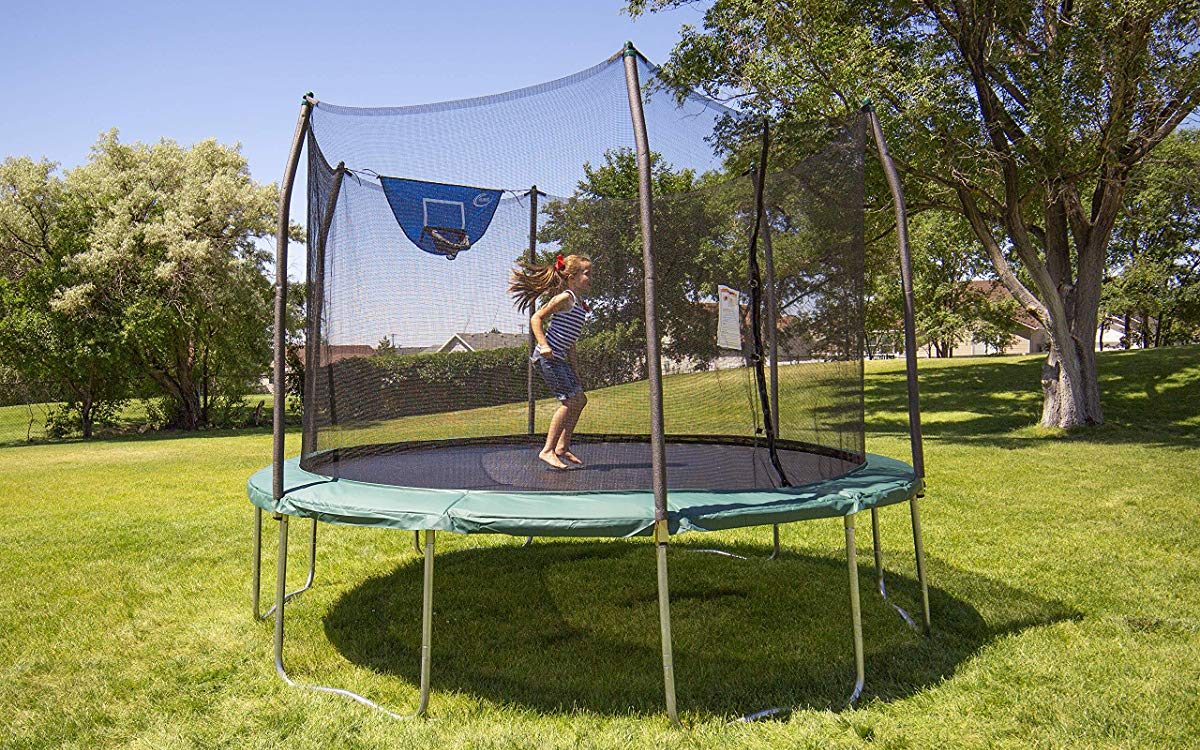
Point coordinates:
[[236, 71]]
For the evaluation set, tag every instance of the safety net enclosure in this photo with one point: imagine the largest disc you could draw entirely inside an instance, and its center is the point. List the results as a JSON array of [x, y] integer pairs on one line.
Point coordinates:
[[717, 340], [418, 368]]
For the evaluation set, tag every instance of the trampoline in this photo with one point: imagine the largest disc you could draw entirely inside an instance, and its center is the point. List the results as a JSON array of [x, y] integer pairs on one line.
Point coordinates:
[[421, 408]]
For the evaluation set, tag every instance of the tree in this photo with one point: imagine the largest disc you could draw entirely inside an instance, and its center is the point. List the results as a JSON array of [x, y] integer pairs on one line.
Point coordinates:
[[56, 347], [1028, 119], [1155, 254], [153, 270]]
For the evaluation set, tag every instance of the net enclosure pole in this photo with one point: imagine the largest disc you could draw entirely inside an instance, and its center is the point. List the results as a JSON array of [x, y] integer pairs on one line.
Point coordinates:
[[910, 352], [531, 258], [772, 307], [316, 303], [658, 456], [653, 343], [277, 409], [910, 330], [756, 305], [281, 257]]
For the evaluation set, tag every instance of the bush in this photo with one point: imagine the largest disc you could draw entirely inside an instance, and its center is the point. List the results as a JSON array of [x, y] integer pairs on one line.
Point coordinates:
[[386, 386], [66, 419]]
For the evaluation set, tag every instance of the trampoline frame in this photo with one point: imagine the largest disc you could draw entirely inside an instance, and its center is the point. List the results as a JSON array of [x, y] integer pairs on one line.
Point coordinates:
[[657, 437]]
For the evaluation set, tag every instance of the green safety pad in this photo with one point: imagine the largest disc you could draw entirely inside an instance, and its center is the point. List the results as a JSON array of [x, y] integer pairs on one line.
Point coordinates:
[[880, 481]]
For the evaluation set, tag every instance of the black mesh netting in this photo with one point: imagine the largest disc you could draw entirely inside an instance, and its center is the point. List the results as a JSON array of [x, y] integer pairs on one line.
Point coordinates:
[[417, 366]]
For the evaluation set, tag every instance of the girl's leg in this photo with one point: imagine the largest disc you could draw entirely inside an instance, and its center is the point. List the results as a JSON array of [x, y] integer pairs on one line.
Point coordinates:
[[563, 448], [552, 436]]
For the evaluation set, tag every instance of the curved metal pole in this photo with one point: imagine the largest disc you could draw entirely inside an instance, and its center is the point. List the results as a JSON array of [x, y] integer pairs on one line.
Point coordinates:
[[281, 283], [910, 353], [877, 543], [426, 630], [658, 454], [277, 408], [308, 581], [531, 258]]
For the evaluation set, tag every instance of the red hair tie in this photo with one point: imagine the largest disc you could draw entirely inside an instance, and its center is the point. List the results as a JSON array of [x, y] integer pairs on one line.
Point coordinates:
[[559, 263]]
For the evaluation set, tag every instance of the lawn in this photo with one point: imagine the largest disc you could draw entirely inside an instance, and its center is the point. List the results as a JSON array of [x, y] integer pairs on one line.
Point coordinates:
[[1065, 575]]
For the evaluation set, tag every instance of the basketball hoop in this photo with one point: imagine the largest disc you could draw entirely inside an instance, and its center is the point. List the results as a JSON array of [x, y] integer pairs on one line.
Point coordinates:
[[448, 241]]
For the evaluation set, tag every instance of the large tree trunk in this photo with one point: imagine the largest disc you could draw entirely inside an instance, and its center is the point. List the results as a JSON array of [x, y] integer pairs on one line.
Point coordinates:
[[1070, 386]]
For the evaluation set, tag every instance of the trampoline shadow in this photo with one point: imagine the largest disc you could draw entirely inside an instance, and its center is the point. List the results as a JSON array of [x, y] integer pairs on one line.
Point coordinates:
[[574, 626]]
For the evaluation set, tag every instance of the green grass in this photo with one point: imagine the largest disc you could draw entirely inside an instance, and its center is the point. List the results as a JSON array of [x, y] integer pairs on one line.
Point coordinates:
[[26, 423], [1065, 573]]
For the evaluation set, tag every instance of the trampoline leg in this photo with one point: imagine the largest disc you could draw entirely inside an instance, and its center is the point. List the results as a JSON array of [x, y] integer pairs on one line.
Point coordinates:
[[426, 624], [879, 582], [280, 608], [256, 566], [775, 542], [528, 541], [855, 609], [417, 543], [664, 620], [919, 549]]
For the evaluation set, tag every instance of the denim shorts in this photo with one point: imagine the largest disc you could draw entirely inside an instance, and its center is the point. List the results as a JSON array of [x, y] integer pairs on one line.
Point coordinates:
[[560, 377]]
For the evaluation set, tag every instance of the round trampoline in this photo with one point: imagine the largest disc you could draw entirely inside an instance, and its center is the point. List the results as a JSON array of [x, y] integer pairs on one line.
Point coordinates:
[[720, 353], [711, 488]]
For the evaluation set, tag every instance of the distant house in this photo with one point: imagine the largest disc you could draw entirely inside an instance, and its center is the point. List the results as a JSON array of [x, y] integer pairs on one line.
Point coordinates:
[[476, 342], [1029, 337], [337, 352], [1032, 338]]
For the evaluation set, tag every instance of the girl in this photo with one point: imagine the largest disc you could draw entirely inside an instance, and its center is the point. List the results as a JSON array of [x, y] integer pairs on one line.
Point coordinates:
[[567, 280]]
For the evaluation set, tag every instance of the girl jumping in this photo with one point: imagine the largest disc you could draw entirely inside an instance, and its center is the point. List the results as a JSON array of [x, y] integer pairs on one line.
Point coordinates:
[[566, 280]]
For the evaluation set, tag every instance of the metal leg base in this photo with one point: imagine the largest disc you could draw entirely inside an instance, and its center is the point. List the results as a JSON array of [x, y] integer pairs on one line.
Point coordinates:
[[723, 553], [426, 630], [856, 629], [877, 542], [664, 622], [256, 567]]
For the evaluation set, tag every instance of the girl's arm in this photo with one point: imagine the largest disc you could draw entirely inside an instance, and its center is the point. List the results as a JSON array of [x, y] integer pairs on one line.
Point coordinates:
[[537, 323]]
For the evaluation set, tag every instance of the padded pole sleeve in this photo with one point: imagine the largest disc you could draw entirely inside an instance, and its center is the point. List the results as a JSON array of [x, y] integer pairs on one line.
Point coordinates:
[[281, 247], [532, 258], [658, 454], [910, 328]]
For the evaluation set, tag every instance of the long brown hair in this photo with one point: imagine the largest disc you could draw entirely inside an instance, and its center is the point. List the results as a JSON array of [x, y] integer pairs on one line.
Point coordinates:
[[530, 281]]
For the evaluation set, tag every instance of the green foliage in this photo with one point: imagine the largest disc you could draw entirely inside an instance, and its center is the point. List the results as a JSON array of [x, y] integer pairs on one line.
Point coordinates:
[[952, 309], [67, 420], [47, 337], [1155, 254], [1026, 118], [138, 269]]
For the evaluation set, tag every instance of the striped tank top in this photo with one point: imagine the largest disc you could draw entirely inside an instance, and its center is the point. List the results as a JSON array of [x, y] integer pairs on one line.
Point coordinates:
[[566, 326]]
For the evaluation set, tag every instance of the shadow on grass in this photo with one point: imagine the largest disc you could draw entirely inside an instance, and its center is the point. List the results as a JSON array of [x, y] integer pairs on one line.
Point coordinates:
[[1147, 397], [574, 626]]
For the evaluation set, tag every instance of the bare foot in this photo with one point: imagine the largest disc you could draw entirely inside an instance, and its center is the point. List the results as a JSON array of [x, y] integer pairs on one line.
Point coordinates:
[[553, 460], [569, 456]]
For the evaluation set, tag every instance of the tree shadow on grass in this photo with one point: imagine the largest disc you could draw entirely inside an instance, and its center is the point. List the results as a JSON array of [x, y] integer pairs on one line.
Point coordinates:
[[568, 626], [1148, 397]]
